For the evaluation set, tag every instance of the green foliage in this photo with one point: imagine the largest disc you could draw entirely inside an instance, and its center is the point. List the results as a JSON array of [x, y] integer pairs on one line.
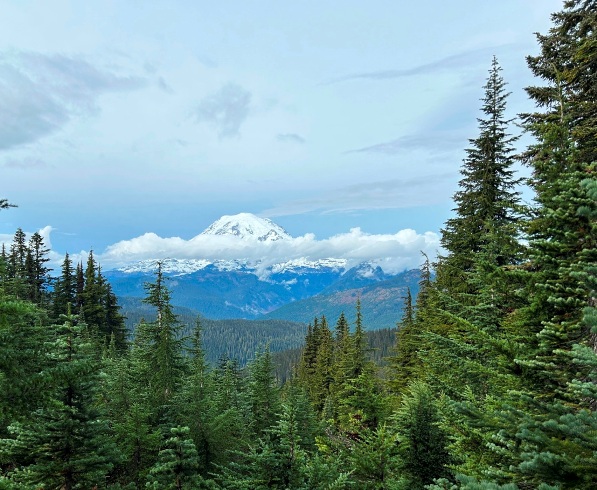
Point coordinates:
[[177, 464], [493, 382], [66, 443], [422, 443], [23, 358]]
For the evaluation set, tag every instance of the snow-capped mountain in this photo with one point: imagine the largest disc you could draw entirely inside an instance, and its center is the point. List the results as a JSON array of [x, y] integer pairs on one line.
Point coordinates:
[[247, 226], [249, 288]]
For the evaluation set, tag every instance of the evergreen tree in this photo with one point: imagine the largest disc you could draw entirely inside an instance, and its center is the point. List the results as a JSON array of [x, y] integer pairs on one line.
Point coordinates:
[[422, 442], [560, 366], [4, 204], [114, 328], [359, 343], [92, 296], [80, 286], [177, 465], [264, 394], [374, 459], [487, 201], [405, 363], [17, 269], [162, 344], [323, 375], [4, 274], [66, 443], [39, 278], [23, 360], [64, 295], [193, 403]]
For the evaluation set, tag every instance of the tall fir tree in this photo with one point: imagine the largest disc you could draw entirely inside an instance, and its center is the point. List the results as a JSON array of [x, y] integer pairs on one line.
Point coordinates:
[[66, 444], [65, 289], [557, 406], [487, 203], [39, 273]]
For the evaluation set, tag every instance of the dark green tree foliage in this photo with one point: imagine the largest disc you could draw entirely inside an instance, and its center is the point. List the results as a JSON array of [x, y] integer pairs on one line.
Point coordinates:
[[264, 395], [23, 271], [193, 401], [23, 357], [323, 373], [4, 204], [80, 286], [4, 275], [558, 400], [405, 362], [92, 308], [228, 415], [375, 459], [422, 442], [359, 343], [38, 272], [177, 465], [17, 269], [66, 444], [487, 202], [159, 347], [65, 289]]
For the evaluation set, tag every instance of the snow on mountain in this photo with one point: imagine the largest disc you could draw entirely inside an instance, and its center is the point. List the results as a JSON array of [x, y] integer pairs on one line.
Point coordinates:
[[247, 226], [169, 266], [302, 263]]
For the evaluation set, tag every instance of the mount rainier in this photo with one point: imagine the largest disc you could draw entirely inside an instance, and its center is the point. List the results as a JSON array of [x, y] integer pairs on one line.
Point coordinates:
[[297, 289]]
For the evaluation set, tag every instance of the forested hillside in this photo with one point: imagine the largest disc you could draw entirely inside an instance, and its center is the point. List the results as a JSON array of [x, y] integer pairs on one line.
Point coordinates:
[[491, 385], [236, 338]]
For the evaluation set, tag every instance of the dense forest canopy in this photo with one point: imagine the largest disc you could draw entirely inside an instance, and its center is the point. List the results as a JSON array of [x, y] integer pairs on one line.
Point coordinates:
[[491, 383]]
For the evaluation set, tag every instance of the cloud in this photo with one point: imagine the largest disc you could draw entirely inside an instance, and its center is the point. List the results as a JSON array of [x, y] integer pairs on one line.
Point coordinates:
[[40, 93], [439, 141], [393, 252], [25, 163], [164, 87], [225, 110], [455, 61], [290, 138], [386, 194]]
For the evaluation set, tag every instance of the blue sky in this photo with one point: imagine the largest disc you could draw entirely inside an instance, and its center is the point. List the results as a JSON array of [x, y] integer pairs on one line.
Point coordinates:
[[123, 118]]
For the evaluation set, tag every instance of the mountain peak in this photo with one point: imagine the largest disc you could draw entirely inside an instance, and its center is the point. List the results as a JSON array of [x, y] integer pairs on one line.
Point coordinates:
[[247, 226]]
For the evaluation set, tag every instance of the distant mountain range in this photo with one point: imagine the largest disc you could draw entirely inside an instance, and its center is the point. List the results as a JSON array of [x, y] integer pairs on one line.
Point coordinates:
[[296, 290]]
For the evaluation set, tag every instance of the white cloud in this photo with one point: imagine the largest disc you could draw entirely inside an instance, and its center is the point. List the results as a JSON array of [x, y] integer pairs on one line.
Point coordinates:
[[226, 109], [393, 252], [41, 93]]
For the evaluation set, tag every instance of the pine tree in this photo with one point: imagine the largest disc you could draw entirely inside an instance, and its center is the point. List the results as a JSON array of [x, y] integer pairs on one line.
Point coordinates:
[[193, 401], [264, 396], [4, 204], [177, 465], [359, 343], [323, 375], [546, 426], [422, 443], [487, 201], [92, 296], [374, 459], [80, 286], [66, 443], [162, 350], [17, 269], [405, 362], [39, 273], [23, 360], [64, 295]]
